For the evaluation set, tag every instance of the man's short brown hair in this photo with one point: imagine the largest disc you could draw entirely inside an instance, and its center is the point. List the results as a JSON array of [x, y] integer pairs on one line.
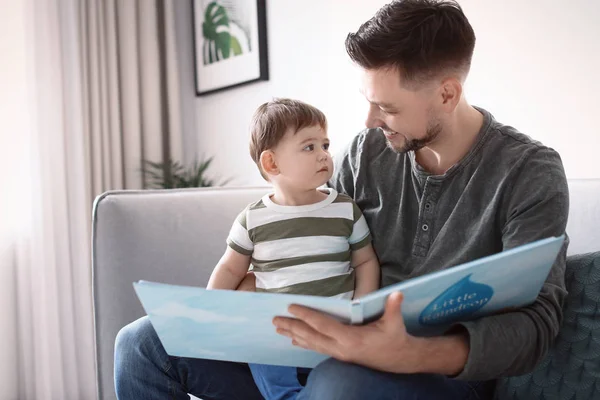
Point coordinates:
[[273, 119], [421, 38]]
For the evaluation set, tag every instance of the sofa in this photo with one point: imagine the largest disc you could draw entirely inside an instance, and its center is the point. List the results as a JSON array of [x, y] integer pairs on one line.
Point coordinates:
[[177, 236]]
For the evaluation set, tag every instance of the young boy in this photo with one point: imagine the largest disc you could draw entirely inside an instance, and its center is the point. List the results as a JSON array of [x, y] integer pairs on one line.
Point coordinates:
[[299, 239]]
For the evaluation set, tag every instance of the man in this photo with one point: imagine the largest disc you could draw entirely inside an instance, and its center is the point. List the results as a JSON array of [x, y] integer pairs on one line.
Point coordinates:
[[440, 183]]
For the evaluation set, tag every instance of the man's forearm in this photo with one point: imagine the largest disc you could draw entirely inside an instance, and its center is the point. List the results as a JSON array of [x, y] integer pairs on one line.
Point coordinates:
[[445, 355]]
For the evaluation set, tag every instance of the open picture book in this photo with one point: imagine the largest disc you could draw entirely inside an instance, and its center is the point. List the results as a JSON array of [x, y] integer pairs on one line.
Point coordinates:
[[237, 326]]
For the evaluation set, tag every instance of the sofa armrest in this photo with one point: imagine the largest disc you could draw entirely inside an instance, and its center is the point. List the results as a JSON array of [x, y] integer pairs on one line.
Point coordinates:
[[170, 236]]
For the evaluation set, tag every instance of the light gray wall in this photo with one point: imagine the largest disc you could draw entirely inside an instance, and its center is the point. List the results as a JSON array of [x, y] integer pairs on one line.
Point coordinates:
[[534, 67]]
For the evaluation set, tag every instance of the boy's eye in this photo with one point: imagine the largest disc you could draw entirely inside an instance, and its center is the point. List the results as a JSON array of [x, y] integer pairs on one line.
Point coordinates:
[[310, 147], [326, 146]]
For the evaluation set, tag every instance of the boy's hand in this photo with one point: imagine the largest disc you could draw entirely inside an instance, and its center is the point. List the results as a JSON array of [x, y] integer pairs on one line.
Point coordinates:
[[248, 284]]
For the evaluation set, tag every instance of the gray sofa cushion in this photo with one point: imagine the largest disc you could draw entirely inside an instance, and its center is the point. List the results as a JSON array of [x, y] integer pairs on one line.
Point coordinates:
[[572, 368]]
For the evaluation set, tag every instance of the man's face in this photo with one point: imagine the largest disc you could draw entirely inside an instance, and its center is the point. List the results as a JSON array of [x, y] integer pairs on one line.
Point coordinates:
[[408, 118]]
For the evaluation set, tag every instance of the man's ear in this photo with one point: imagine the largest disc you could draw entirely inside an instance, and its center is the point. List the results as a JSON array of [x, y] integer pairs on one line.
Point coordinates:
[[451, 92], [268, 163]]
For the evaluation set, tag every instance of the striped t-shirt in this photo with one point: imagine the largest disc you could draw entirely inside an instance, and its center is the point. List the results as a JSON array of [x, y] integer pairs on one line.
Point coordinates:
[[302, 249]]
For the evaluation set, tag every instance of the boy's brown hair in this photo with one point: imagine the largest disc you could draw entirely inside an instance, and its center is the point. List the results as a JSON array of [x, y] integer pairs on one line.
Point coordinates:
[[273, 119]]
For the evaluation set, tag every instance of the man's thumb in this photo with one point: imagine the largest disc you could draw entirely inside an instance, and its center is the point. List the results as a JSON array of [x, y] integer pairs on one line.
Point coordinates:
[[393, 305]]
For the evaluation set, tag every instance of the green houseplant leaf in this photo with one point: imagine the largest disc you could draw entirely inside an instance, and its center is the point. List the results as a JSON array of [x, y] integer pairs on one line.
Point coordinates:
[[172, 175]]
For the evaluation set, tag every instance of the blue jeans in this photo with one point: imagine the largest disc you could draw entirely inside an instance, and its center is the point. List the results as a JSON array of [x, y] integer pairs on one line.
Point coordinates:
[[278, 383], [143, 370]]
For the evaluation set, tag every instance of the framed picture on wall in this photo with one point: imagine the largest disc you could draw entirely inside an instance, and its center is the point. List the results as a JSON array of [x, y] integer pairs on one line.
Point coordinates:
[[230, 44]]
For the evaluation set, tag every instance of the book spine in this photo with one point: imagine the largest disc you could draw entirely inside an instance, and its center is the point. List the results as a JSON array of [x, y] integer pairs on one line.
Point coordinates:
[[356, 314]]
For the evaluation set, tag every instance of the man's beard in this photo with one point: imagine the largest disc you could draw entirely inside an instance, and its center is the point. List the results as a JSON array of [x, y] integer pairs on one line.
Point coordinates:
[[434, 129]]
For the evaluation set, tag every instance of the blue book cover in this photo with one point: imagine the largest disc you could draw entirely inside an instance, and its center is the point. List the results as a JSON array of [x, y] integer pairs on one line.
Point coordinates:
[[237, 326]]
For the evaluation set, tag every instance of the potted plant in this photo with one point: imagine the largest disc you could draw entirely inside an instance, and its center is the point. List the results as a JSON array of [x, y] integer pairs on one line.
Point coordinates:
[[172, 174]]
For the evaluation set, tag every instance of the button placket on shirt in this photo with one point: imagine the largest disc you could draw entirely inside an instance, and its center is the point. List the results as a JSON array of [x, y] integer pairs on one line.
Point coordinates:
[[423, 235]]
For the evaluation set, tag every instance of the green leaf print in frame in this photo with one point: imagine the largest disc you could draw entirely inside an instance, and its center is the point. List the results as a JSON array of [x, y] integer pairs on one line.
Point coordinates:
[[215, 30], [230, 43], [218, 31]]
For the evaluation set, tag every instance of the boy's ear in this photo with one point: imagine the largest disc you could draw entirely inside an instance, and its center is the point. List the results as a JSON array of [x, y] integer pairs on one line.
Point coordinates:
[[268, 163]]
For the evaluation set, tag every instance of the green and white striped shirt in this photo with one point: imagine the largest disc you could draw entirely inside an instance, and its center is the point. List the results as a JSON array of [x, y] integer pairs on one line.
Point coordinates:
[[302, 249]]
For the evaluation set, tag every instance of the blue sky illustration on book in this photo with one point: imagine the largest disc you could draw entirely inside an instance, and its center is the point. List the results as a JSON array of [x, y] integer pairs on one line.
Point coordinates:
[[216, 325]]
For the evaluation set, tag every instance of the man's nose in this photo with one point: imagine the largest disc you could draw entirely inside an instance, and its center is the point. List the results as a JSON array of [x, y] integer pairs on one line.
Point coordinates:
[[373, 121]]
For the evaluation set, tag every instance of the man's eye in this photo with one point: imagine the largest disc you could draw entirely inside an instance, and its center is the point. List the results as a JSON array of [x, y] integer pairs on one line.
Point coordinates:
[[326, 146], [310, 147]]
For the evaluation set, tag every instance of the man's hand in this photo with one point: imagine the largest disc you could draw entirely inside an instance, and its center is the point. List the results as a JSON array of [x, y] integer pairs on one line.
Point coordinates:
[[384, 344], [248, 284]]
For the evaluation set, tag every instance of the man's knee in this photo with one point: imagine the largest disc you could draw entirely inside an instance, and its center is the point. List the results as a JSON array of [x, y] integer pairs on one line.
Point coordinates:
[[333, 379], [134, 341], [130, 336]]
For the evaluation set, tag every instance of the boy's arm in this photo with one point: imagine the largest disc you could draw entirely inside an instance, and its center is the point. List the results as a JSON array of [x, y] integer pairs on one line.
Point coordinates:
[[365, 264], [230, 270]]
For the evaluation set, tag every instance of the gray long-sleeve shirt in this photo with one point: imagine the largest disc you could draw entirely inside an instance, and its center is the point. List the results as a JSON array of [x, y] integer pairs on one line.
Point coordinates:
[[507, 191]]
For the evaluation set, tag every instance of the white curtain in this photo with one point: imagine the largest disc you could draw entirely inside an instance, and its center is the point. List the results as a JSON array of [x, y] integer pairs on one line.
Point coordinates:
[[133, 105], [89, 89]]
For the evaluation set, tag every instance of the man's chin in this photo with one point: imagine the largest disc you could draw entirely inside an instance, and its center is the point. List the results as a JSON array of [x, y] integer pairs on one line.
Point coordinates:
[[405, 147], [400, 149]]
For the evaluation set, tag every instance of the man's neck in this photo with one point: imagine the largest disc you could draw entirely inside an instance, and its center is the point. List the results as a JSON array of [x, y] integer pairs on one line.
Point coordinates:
[[459, 137]]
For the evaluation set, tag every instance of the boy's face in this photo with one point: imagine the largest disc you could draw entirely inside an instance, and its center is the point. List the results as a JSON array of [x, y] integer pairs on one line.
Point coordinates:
[[303, 159]]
